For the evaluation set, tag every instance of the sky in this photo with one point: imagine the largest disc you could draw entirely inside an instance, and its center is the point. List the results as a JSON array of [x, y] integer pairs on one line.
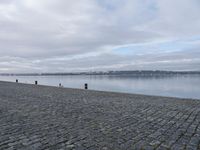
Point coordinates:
[[39, 36]]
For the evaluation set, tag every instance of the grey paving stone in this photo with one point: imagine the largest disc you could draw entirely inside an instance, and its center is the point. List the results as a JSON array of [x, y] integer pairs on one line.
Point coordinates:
[[42, 117]]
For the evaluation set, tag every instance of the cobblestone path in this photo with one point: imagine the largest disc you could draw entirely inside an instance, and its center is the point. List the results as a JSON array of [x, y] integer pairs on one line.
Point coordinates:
[[40, 117]]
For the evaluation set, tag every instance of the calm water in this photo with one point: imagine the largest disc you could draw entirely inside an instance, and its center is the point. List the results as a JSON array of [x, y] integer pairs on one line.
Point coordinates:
[[181, 86]]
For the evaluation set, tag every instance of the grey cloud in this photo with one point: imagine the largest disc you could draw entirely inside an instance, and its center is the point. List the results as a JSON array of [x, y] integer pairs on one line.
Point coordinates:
[[110, 61], [33, 33]]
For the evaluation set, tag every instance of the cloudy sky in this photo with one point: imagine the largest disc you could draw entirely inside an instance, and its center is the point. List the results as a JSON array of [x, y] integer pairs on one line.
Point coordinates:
[[94, 35]]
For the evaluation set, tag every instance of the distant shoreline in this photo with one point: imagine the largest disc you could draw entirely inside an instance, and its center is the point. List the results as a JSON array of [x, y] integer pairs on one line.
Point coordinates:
[[111, 73]]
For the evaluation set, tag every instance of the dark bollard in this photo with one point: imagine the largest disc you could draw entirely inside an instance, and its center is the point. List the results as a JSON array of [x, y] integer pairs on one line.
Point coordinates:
[[16, 80], [36, 82], [86, 86]]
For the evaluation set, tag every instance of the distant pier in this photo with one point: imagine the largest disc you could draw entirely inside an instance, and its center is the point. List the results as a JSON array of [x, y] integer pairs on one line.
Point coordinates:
[[44, 117]]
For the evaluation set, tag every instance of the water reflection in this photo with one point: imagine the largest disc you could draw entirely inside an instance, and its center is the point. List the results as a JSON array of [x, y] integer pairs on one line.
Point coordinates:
[[187, 86]]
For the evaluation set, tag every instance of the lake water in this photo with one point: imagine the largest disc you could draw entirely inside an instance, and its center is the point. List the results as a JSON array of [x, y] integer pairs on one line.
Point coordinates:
[[179, 86]]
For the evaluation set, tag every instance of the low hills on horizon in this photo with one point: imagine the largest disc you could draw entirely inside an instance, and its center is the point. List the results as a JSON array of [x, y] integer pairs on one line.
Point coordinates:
[[111, 73]]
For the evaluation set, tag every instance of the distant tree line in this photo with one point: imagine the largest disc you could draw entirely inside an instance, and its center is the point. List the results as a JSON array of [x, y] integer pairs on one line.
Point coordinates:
[[135, 73]]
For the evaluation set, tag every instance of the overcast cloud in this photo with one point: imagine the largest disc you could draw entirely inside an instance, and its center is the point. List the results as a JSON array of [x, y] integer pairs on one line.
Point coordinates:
[[90, 35]]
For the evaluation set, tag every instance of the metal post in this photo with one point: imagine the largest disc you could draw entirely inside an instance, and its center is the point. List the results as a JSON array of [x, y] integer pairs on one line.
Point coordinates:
[[86, 86], [16, 80], [36, 82]]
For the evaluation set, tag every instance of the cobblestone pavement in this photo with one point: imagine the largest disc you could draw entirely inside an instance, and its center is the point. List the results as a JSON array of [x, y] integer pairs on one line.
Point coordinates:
[[40, 117]]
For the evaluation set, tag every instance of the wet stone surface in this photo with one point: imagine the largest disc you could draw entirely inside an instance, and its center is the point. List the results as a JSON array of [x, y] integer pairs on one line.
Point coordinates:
[[39, 117]]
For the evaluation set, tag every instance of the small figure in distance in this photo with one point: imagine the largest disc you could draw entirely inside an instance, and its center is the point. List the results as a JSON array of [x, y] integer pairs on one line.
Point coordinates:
[[60, 85]]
